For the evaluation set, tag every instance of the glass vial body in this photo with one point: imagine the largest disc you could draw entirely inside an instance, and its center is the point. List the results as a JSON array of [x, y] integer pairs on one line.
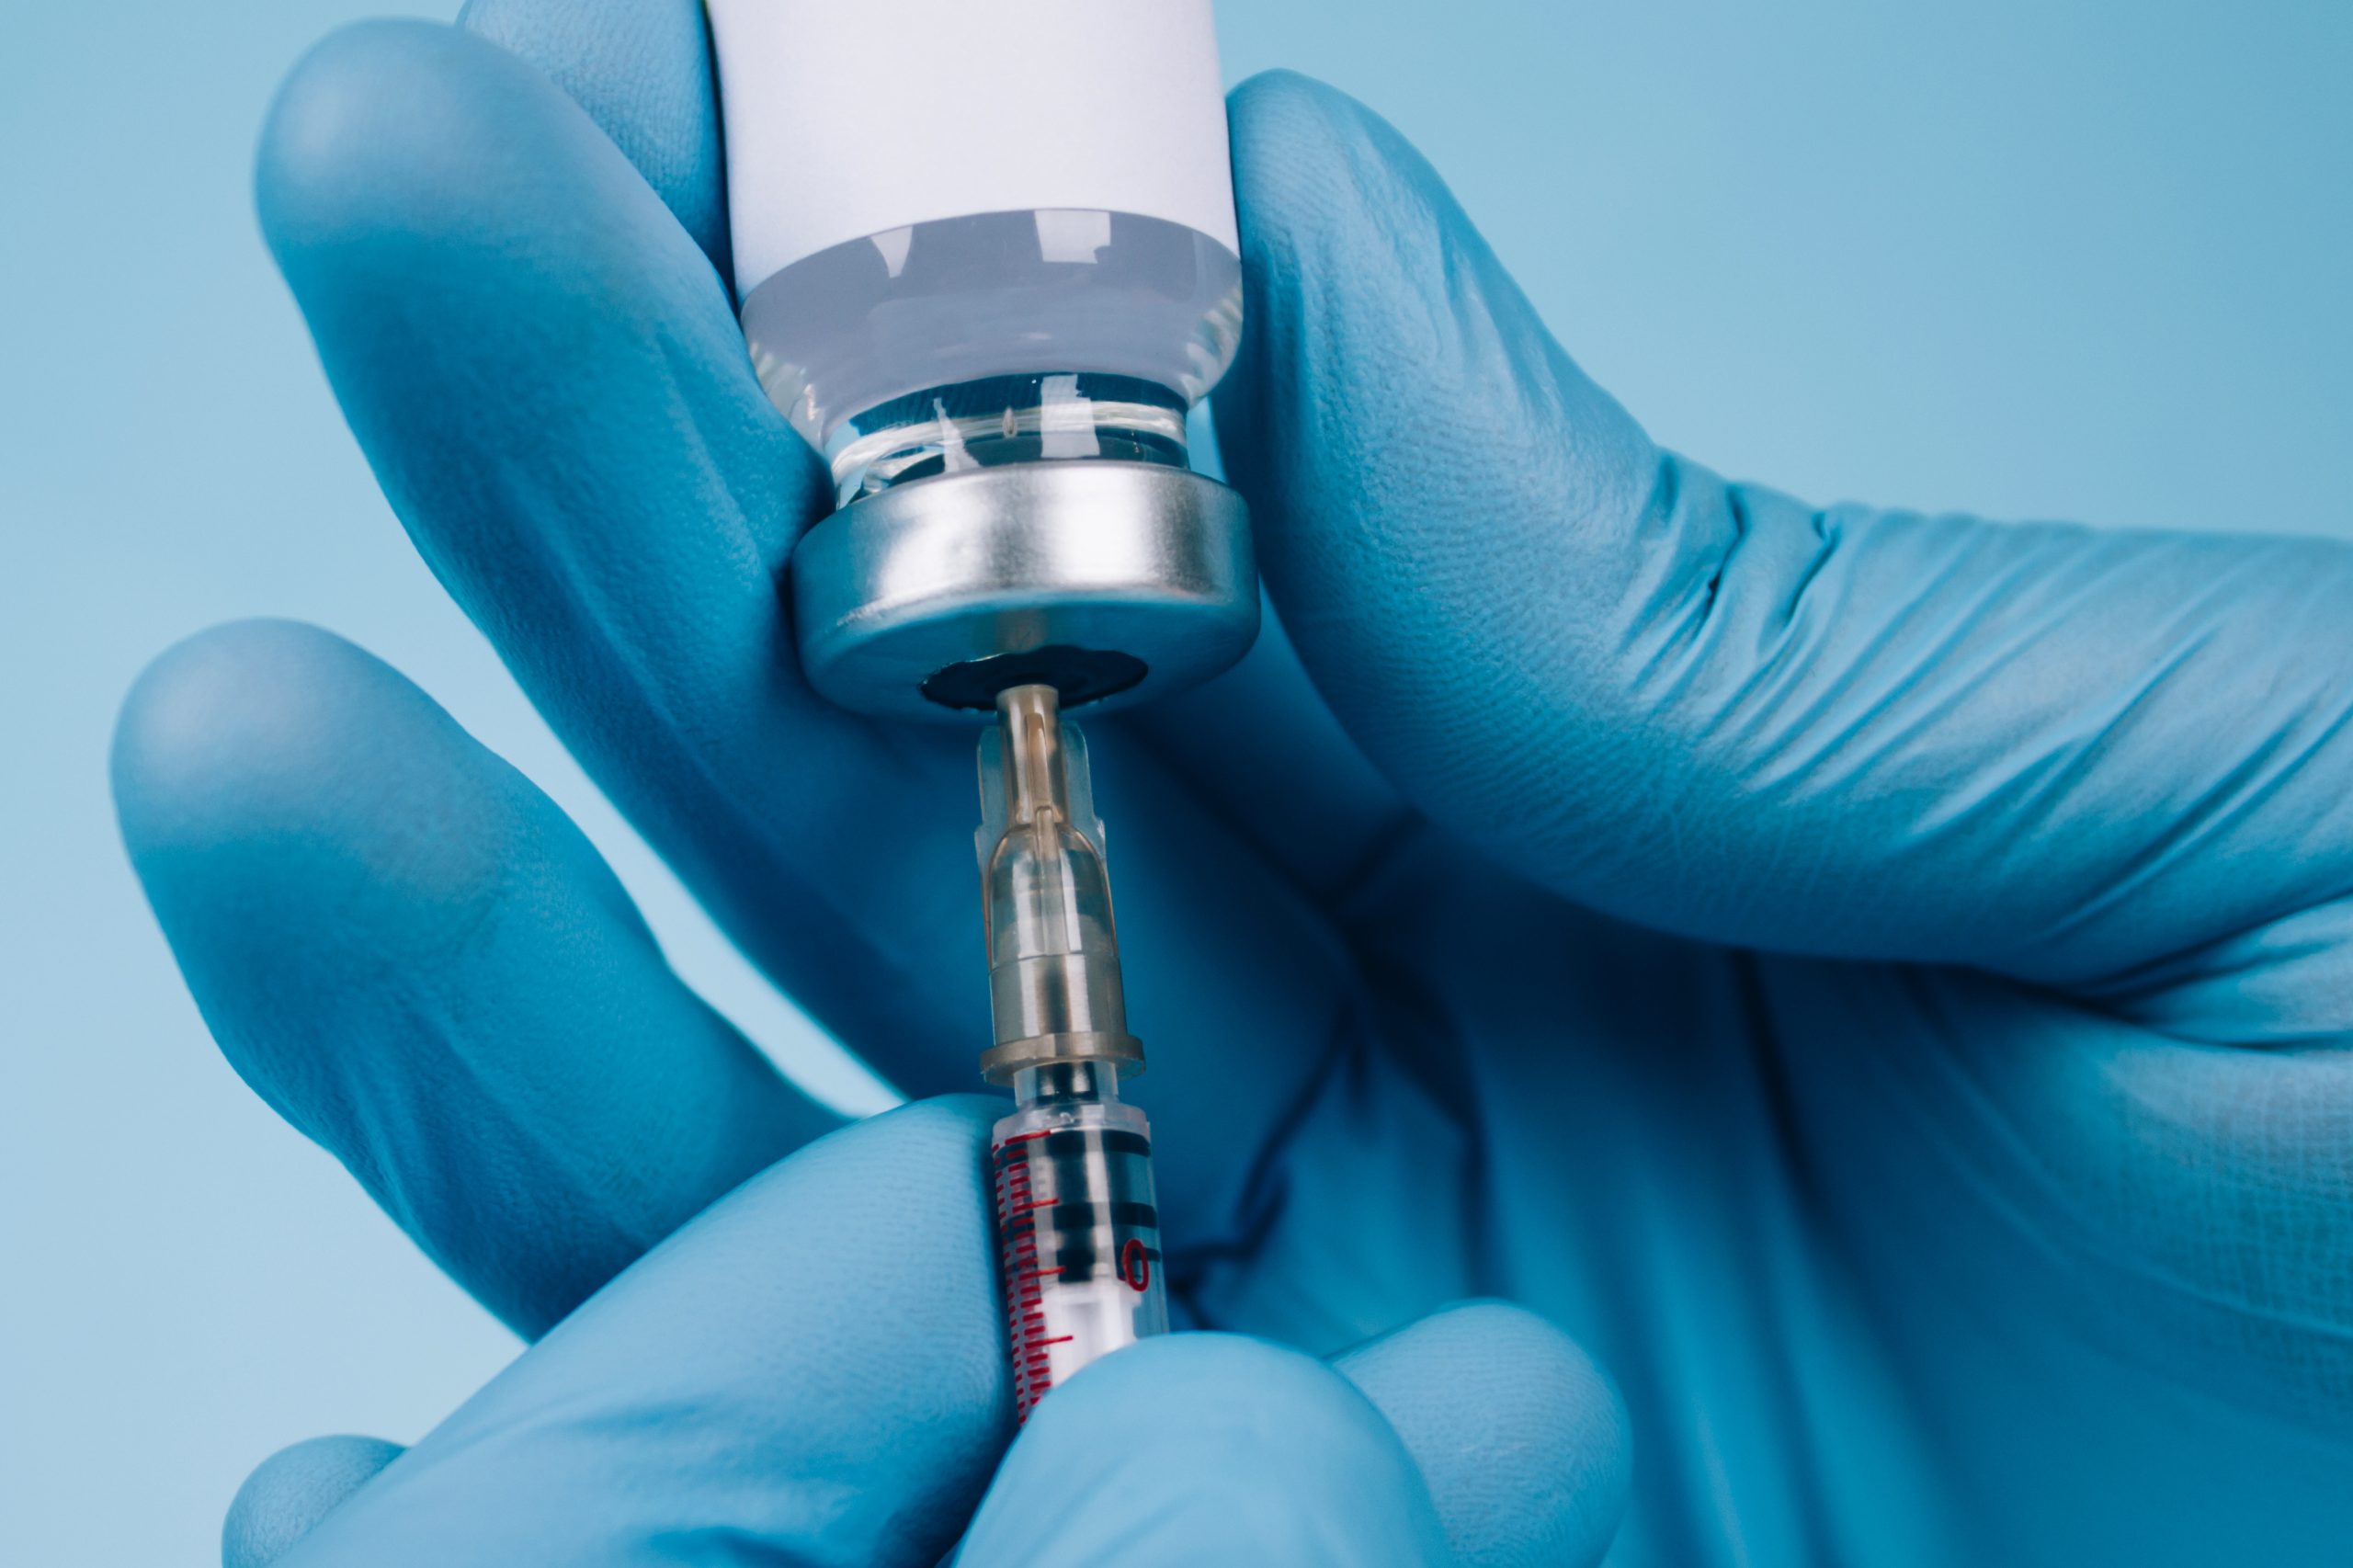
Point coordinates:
[[1078, 1225], [972, 232], [997, 337]]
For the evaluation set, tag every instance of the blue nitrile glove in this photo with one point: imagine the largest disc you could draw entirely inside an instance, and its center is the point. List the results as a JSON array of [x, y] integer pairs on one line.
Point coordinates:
[[1877, 982], [811, 1373]]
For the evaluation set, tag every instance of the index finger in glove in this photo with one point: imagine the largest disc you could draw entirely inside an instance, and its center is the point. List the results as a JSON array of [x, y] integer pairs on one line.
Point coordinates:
[[812, 1371]]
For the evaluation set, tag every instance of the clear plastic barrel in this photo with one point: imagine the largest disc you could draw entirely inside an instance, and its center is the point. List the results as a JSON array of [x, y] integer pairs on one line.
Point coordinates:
[[1077, 1224]]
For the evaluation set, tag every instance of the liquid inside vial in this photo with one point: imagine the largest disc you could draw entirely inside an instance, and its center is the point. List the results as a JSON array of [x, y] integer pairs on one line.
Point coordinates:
[[1077, 1226], [997, 337]]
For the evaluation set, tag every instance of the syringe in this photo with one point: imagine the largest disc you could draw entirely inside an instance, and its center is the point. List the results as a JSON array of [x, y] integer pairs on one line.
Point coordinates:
[[1078, 1231]]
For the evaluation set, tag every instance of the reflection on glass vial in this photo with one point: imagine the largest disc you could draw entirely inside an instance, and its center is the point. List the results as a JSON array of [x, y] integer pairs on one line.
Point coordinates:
[[996, 337], [1078, 1230]]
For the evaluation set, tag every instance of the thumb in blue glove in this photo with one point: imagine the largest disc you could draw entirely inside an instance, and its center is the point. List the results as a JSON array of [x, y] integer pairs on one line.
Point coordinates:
[[1948, 1137]]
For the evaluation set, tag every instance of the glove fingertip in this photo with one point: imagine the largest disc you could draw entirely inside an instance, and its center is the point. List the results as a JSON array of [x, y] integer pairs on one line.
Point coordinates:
[[357, 139], [268, 766], [292, 1490], [1521, 1437], [643, 72], [1291, 133], [1344, 227], [1206, 1448], [1444, 503], [1360, 260]]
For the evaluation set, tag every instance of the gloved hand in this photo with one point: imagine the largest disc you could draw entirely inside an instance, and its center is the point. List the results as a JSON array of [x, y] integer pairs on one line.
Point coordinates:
[[1877, 982], [812, 1372]]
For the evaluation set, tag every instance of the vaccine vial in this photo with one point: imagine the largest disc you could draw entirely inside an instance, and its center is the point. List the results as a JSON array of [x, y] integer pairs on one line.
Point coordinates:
[[986, 261]]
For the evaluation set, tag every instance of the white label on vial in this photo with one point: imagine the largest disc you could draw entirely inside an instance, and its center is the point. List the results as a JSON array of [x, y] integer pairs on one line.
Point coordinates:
[[847, 119]]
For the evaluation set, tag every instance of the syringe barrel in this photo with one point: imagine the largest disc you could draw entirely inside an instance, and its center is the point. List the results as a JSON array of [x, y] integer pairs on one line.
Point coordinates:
[[1077, 1224]]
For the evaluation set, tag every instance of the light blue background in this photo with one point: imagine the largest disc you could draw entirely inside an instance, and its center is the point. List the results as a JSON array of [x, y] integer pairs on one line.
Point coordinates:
[[2049, 258]]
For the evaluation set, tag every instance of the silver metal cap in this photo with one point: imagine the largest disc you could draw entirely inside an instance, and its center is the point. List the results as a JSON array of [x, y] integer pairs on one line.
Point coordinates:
[[1109, 581]]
